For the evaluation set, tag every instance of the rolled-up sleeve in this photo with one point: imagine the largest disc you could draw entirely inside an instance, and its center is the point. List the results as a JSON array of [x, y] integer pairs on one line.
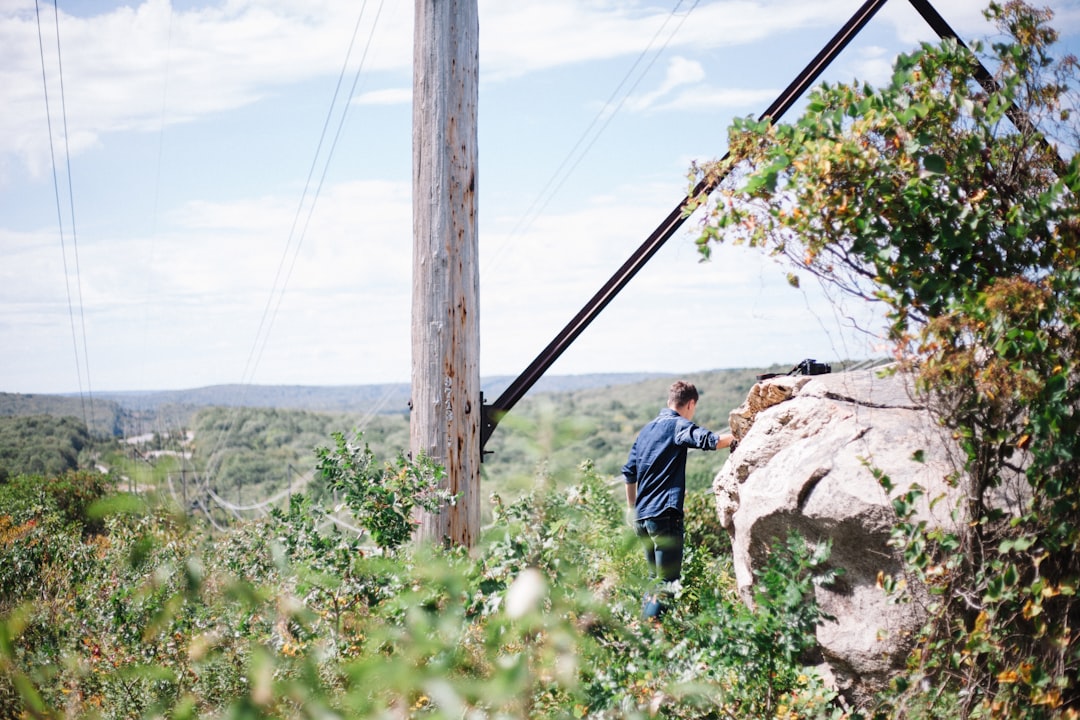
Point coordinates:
[[629, 470], [687, 434]]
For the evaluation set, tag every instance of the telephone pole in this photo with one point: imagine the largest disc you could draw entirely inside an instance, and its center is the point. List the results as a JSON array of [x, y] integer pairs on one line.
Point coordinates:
[[446, 406]]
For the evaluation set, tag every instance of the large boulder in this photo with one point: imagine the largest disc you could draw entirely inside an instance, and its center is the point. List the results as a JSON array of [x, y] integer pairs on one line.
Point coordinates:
[[808, 448]]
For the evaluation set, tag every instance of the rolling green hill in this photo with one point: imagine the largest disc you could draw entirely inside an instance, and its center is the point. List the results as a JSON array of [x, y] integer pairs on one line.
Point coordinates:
[[376, 398], [103, 417], [243, 445]]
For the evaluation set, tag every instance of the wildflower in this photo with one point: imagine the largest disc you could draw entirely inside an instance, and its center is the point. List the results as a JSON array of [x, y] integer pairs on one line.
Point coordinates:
[[525, 593]]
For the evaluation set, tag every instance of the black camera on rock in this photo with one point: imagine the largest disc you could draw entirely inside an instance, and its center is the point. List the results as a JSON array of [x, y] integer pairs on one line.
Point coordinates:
[[808, 366], [811, 367]]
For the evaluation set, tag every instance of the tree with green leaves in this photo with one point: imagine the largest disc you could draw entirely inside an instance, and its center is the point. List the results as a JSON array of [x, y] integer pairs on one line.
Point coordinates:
[[384, 498], [953, 203], [40, 444]]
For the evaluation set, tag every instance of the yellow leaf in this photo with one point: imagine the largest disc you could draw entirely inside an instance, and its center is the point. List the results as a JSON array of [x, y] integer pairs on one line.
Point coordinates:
[[1008, 676], [1050, 697]]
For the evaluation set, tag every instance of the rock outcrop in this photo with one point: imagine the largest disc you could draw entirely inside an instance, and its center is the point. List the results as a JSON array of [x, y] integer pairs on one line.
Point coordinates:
[[807, 446]]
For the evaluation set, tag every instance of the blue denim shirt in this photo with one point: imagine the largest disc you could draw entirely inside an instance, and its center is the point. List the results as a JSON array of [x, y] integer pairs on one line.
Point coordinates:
[[657, 462]]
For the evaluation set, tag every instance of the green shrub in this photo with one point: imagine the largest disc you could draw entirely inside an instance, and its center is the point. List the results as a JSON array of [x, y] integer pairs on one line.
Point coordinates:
[[292, 617], [40, 444], [951, 197], [69, 495], [381, 497]]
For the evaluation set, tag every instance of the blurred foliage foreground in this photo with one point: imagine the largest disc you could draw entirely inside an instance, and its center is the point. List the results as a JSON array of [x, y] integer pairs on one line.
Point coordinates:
[[112, 607]]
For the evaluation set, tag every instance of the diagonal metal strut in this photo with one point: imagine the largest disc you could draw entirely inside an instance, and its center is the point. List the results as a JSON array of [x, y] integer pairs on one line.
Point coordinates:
[[494, 412], [984, 77]]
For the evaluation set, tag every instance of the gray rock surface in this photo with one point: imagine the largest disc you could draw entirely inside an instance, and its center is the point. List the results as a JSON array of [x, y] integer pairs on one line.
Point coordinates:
[[803, 463]]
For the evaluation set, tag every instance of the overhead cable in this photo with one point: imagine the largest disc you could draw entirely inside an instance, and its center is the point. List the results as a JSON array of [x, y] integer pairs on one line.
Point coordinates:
[[322, 178], [60, 218], [71, 207], [282, 276], [280, 495], [607, 113]]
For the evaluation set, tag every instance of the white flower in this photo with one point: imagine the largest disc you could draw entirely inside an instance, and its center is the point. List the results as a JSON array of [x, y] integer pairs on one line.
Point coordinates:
[[525, 593]]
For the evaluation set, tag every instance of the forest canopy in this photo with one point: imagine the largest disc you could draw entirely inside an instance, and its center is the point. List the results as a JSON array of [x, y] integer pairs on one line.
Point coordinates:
[[40, 444]]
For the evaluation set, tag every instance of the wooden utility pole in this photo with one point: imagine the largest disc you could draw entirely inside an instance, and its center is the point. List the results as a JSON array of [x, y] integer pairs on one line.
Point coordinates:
[[446, 407]]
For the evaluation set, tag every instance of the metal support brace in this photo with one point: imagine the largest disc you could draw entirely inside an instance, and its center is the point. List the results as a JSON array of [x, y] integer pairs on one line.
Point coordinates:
[[494, 412]]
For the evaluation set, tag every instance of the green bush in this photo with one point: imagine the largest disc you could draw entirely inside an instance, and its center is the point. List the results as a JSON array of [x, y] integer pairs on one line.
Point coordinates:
[[40, 444], [293, 617], [68, 495], [952, 199], [382, 498]]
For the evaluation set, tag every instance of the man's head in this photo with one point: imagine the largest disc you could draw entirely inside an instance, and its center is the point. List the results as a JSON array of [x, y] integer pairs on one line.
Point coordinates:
[[682, 398]]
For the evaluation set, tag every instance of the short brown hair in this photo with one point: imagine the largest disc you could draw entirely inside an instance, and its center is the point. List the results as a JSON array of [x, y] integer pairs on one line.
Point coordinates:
[[680, 393]]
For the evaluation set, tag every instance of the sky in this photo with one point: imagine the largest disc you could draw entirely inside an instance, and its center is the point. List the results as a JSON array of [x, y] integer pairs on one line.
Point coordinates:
[[202, 193]]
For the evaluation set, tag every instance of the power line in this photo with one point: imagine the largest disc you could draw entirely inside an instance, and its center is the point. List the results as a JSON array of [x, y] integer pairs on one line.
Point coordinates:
[[71, 208], [270, 313], [326, 168], [280, 283], [558, 178], [584, 143], [60, 214], [262, 505], [209, 515], [152, 253], [282, 275]]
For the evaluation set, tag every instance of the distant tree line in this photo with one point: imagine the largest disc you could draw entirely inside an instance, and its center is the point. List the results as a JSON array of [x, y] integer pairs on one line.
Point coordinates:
[[40, 445], [250, 453], [105, 418]]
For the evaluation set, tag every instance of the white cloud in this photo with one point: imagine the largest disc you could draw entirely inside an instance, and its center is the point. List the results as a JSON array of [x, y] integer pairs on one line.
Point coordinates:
[[359, 237], [873, 65], [139, 68], [190, 305], [184, 239], [388, 96], [207, 280], [521, 37], [28, 258], [710, 98], [966, 18], [680, 72], [736, 310]]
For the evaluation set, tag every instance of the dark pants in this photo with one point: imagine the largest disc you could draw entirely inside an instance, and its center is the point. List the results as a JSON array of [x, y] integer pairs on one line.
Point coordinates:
[[662, 538]]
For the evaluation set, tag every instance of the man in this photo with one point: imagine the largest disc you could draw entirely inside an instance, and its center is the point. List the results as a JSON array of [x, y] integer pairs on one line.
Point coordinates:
[[655, 476]]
